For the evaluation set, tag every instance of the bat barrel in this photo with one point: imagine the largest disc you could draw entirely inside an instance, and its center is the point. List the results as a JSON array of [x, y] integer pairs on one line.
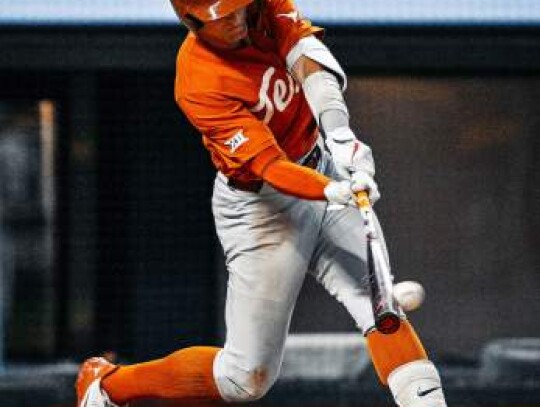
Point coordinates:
[[385, 310]]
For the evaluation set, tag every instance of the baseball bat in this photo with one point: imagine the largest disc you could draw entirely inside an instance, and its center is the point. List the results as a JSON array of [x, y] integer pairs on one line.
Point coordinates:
[[385, 307]]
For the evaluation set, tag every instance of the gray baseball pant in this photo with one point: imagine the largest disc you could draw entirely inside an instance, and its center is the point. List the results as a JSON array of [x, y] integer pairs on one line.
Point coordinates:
[[271, 241]]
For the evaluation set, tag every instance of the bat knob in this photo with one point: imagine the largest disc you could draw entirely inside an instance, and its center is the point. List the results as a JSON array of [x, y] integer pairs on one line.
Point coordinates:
[[388, 323]]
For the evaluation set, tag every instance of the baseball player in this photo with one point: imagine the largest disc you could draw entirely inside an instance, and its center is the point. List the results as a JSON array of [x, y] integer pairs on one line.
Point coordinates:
[[266, 95]]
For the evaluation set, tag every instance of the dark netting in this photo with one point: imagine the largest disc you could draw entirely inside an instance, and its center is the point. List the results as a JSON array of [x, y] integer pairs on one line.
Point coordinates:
[[156, 229]]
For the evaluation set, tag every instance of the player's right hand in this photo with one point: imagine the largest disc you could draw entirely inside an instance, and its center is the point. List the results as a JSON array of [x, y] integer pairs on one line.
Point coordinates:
[[343, 192], [339, 192], [362, 181]]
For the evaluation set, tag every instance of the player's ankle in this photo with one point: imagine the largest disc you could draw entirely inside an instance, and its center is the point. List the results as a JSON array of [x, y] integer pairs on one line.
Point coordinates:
[[417, 384]]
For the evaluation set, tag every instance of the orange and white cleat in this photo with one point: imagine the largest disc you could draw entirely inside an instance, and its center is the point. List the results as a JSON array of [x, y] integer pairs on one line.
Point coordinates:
[[89, 391]]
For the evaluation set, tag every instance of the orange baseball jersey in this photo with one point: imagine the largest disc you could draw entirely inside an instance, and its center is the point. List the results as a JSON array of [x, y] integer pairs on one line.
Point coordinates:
[[244, 100]]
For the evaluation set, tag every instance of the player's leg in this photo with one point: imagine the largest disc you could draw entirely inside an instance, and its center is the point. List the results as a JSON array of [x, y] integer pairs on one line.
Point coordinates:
[[399, 359], [267, 249], [267, 240], [184, 374]]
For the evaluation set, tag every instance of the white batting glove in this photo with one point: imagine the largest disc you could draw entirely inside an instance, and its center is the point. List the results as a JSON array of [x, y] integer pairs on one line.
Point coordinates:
[[361, 181], [353, 161], [348, 153], [341, 193]]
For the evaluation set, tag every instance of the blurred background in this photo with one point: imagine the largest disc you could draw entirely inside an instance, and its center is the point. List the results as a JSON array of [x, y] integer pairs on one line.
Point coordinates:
[[107, 240]]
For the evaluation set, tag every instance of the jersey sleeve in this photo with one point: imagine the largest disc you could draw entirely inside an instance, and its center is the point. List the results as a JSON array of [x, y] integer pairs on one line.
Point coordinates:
[[288, 25], [231, 133]]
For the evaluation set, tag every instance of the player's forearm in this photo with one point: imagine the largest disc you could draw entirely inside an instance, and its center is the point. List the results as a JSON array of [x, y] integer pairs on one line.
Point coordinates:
[[290, 178], [293, 179], [323, 93]]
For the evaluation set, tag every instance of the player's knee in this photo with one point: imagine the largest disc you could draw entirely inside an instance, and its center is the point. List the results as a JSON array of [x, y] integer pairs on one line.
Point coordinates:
[[246, 386], [237, 384], [251, 386]]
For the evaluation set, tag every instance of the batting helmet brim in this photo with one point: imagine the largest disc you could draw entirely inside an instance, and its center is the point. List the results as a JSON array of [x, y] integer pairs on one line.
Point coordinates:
[[206, 10]]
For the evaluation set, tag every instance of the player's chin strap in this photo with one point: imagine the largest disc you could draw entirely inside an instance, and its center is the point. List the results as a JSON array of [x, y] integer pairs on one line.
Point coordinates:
[[192, 22]]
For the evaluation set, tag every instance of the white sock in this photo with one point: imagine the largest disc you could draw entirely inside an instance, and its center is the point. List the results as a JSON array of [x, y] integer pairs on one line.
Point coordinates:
[[417, 384]]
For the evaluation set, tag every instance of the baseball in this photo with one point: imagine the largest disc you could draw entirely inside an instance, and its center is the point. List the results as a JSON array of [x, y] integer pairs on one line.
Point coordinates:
[[409, 295]]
